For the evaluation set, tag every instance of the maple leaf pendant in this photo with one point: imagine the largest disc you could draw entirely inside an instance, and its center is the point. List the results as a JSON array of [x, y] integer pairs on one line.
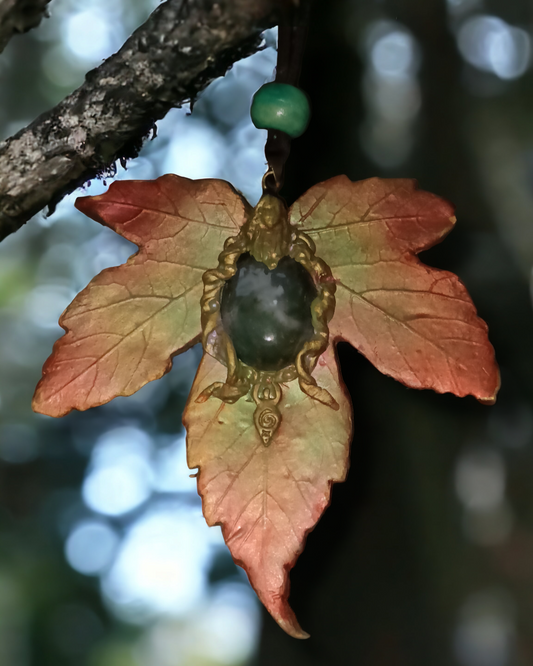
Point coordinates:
[[288, 348], [275, 433]]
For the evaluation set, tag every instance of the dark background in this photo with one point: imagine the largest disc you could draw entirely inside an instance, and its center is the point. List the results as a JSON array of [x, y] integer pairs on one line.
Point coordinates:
[[425, 555], [403, 569]]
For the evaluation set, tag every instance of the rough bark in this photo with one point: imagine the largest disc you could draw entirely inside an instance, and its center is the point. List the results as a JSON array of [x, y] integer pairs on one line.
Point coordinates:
[[17, 16], [182, 47]]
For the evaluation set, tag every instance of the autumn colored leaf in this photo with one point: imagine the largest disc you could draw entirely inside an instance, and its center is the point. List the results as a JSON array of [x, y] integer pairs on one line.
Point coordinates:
[[124, 328], [414, 323], [267, 498]]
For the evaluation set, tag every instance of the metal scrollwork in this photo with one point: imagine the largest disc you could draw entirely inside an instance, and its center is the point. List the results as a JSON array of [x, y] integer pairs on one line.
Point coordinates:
[[267, 236]]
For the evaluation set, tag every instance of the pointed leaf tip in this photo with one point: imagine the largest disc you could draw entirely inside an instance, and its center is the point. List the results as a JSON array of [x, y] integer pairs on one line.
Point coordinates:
[[292, 627], [267, 499]]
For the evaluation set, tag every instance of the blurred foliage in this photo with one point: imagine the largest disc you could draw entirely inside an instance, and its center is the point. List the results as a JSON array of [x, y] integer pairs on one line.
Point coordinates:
[[426, 554]]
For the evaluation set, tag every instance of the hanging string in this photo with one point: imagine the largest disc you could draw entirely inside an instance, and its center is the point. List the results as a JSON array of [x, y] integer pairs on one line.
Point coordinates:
[[292, 34]]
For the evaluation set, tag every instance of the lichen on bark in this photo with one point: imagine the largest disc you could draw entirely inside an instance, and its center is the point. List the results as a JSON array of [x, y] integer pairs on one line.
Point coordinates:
[[174, 55]]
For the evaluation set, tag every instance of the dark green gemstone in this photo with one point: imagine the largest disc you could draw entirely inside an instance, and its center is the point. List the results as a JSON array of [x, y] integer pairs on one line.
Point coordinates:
[[267, 313]]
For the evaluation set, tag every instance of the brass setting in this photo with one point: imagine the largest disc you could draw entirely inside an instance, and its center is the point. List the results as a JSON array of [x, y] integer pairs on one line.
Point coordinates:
[[268, 237]]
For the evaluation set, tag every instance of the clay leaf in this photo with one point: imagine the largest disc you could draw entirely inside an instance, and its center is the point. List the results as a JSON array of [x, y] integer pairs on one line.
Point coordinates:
[[267, 498], [413, 322], [124, 327]]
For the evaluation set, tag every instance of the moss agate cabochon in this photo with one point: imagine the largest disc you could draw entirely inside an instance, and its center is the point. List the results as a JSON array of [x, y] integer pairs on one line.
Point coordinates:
[[267, 313]]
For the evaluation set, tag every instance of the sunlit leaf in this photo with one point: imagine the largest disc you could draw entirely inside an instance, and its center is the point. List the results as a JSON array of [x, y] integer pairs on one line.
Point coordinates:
[[414, 323], [124, 328], [268, 498]]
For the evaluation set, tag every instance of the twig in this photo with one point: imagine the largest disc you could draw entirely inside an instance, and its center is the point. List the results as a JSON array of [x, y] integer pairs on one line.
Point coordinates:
[[183, 46]]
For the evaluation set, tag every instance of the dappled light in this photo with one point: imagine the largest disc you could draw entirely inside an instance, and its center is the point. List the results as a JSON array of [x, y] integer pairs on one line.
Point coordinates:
[[391, 92], [91, 546], [492, 45], [425, 557], [485, 635]]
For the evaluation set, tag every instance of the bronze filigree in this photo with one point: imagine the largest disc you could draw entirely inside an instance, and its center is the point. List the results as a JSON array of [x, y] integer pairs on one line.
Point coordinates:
[[268, 237]]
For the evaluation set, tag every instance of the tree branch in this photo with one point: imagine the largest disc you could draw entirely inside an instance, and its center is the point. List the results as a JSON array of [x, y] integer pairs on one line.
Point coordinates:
[[17, 16], [183, 46]]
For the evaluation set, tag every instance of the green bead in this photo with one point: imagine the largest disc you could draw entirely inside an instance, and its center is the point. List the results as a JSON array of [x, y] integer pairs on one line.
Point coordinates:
[[279, 106], [267, 313]]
